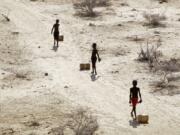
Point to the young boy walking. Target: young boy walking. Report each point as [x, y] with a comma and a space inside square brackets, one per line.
[94, 56]
[55, 31]
[133, 97]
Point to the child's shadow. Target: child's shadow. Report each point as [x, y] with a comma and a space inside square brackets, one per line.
[94, 77]
[55, 48]
[134, 123]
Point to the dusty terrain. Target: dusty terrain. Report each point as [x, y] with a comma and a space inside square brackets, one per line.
[34, 104]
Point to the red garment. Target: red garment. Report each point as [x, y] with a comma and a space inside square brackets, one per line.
[134, 101]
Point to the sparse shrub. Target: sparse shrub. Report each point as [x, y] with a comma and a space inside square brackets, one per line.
[154, 20]
[171, 65]
[86, 7]
[79, 122]
[150, 55]
[83, 123]
[164, 88]
[102, 3]
[168, 67]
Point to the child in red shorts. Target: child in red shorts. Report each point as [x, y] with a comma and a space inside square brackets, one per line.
[133, 97]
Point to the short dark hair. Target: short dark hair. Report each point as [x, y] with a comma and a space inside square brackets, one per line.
[134, 82]
[57, 20]
[94, 45]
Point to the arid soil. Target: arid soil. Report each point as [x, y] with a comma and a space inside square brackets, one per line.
[42, 89]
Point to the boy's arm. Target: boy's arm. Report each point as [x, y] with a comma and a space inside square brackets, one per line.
[140, 95]
[52, 29]
[98, 56]
[130, 96]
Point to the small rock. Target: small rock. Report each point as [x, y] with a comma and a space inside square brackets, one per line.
[39, 46]
[156, 32]
[134, 9]
[46, 74]
[15, 33]
[115, 72]
[163, 1]
[124, 4]
[91, 24]
[32, 124]
[119, 25]
[66, 87]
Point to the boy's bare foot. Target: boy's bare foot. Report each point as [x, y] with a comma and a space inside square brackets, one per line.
[135, 119]
[132, 114]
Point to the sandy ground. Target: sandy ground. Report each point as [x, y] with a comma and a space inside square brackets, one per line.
[28, 95]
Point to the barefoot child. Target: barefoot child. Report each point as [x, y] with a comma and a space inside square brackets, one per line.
[133, 97]
[94, 56]
[55, 29]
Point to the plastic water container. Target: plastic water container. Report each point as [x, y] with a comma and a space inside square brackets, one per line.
[144, 119]
[85, 66]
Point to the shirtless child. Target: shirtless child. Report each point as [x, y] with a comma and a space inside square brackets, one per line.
[133, 97]
[94, 57]
[55, 31]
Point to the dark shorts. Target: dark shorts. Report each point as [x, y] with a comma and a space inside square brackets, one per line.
[56, 35]
[93, 62]
[134, 101]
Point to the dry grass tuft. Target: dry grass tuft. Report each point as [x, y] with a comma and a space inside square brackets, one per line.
[83, 123]
[154, 20]
[86, 7]
[150, 55]
[80, 122]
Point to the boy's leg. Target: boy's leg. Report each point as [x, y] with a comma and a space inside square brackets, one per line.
[54, 42]
[134, 109]
[57, 43]
[95, 70]
[92, 67]
[132, 113]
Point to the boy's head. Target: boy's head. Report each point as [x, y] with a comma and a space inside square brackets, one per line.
[94, 45]
[134, 83]
[57, 20]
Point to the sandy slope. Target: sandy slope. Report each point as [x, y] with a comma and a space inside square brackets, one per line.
[46, 97]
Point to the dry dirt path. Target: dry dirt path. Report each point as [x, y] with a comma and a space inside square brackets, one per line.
[106, 97]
